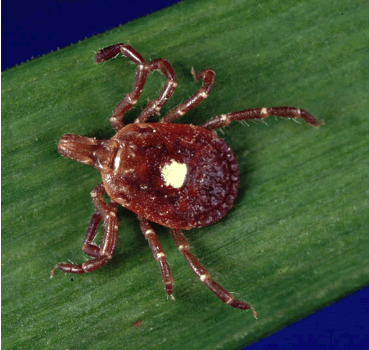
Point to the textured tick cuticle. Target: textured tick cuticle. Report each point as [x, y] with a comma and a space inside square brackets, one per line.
[177, 175]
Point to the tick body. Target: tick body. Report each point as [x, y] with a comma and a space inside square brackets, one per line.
[180, 176]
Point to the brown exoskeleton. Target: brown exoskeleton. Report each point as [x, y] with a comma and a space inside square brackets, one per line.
[180, 176]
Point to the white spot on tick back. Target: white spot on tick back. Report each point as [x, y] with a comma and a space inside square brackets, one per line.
[174, 174]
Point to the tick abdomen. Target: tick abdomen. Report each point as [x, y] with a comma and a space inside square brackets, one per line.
[180, 176]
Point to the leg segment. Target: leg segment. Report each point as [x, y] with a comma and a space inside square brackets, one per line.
[89, 247]
[159, 255]
[130, 99]
[260, 113]
[143, 70]
[166, 93]
[103, 253]
[208, 76]
[204, 275]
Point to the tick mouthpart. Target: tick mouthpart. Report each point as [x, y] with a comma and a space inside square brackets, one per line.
[79, 148]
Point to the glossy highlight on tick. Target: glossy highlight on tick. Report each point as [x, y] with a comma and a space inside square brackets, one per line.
[177, 175]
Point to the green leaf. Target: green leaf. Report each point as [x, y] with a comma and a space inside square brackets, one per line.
[297, 237]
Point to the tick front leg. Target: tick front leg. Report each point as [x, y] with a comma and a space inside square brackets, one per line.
[159, 255]
[143, 69]
[207, 76]
[141, 74]
[204, 275]
[260, 113]
[103, 253]
[166, 93]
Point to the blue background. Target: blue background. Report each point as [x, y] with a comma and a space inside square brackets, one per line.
[38, 27]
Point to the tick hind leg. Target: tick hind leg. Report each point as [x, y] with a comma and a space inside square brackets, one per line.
[143, 69]
[260, 113]
[159, 255]
[204, 275]
[103, 253]
[207, 76]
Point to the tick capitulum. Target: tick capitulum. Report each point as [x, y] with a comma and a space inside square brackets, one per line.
[180, 176]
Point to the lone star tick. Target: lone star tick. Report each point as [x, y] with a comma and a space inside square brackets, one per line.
[179, 176]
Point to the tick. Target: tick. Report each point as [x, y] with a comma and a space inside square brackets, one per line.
[179, 176]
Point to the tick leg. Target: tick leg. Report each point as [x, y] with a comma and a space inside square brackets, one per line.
[260, 113]
[143, 69]
[103, 253]
[208, 76]
[159, 255]
[89, 247]
[130, 99]
[204, 275]
[166, 93]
